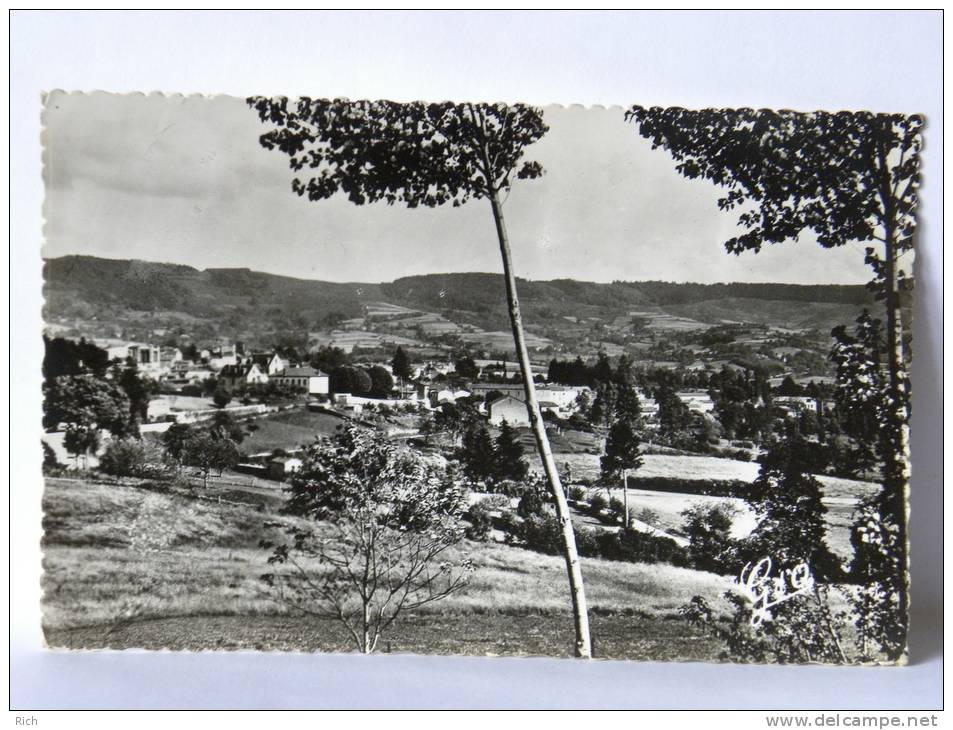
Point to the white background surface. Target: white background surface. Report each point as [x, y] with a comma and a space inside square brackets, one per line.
[883, 61]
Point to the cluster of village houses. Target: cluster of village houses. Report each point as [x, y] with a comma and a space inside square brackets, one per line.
[234, 369]
[229, 364]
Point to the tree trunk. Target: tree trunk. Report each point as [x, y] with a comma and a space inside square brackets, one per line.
[625, 499]
[576, 588]
[895, 438]
[897, 450]
[366, 647]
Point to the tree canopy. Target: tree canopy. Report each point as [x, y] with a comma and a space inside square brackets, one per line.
[411, 153]
[846, 176]
[622, 451]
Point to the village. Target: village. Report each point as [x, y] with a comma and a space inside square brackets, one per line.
[400, 390]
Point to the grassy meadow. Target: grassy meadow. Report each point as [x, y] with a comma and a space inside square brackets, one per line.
[840, 496]
[129, 567]
[289, 429]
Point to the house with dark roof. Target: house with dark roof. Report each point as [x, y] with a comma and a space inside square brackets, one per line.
[313, 382]
[244, 372]
[269, 363]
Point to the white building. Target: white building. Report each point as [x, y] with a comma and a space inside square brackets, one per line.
[146, 356]
[509, 409]
[561, 397]
[314, 382]
[697, 400]
[269, 363]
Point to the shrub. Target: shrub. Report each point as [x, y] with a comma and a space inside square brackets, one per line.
[708, 528]
[641, 547]
[129, 458]
[616, 507]
[507, 487]
[577, 493]
[530, 503]
[511, 526]
[587, 542]
[707, 487]
[480, 522]
[597, 503]
[648, 516]
[542, 533]
[494, 502]
[221, 398]
[49, 458]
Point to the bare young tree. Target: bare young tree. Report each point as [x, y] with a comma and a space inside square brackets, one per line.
[431, 155]
[385, 521]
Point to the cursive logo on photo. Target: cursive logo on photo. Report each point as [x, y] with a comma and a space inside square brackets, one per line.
[766, 591]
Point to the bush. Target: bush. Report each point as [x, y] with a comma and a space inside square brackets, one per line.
[616, 507]
[480, 522]
[708, 528]
[495, 502]
[511, 526]
[542, 533]
[597, 503]
[648, 516]
[49, 457]
[507, 487]
[128, 458]
[530, 503]
[587, 542]
[640, 547]
[577, 494]
[221, 398]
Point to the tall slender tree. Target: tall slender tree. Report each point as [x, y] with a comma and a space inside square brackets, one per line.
[427, 154]
[845, 177]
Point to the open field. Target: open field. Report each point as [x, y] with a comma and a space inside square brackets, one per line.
[348, 340]
[128, 567]
[840, 495]
[289, 430]
[499, 340]
[670, 505]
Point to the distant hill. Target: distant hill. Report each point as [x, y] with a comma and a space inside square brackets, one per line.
[241, 302]
[481, 294]
[228, 300]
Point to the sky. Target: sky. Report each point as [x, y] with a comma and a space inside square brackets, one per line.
[184, 180]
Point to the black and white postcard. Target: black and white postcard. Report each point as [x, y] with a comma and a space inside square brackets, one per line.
[332, 375]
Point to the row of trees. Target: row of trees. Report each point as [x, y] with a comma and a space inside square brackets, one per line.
[205, 450]
[578, 372]
[492, 461]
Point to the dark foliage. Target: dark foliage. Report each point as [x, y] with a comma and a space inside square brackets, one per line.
[508, 456]
[67, 357]
[401, 364]
[787, 502]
